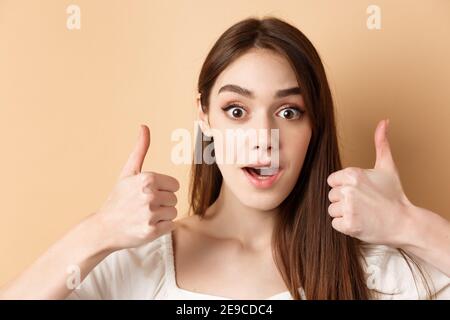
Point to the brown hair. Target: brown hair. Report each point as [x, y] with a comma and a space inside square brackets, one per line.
[308, 252]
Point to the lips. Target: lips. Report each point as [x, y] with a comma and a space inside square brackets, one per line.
[262, 177]
[261, 172]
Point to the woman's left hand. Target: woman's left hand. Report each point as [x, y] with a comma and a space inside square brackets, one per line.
[370, 204]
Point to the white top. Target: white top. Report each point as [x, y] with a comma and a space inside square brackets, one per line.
[148, 272]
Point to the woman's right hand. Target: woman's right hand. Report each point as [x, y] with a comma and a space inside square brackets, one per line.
[139, 209]
[141, 206]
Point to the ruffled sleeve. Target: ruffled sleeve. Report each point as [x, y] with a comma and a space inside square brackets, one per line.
[137, 273]
[389, 276]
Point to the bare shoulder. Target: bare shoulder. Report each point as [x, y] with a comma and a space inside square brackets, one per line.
[187, 221]
[187, 229]
[190, 244]
[198, 233]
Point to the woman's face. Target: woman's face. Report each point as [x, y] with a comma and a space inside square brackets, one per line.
[256, 110]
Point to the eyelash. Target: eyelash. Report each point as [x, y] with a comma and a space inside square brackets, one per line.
[235, 105]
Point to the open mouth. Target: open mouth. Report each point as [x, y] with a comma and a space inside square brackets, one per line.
[261, 173]
[262, 177]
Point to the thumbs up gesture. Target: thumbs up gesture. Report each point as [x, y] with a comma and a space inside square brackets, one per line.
[370, 204]
[141, 206]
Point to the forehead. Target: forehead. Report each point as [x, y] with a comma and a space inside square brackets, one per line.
[260, 70]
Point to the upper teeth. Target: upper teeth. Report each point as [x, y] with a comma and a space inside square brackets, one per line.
[267, 171]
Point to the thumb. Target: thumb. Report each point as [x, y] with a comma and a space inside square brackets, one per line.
[137, 156]
[384, 158]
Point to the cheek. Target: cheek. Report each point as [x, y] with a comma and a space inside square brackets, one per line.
[235, 180]
[298, 149]
[295, 147]
[295, 140]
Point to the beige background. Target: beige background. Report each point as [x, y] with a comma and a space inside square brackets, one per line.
[71, 101]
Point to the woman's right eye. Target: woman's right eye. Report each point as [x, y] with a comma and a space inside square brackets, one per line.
[235, 111]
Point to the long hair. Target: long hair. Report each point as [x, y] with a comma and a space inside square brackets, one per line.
[308, 252]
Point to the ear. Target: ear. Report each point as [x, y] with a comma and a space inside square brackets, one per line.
[203, 118]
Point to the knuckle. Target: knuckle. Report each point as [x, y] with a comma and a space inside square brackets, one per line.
[355, 175]
[148, 177]
[152, 207]
[153, 218]
[150, 215]
[354, 170]
[149, 197]
[348, 192]
[142, 176]
[349, 208]
[145, 197]
[151, 179]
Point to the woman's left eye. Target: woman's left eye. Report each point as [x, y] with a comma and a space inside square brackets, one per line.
[290, 113]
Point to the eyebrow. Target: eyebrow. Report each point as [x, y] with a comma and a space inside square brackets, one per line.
[249, 94]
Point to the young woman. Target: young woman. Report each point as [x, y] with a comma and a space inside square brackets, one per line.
[255, 233]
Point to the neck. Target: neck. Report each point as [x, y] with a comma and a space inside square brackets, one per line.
[229, 218]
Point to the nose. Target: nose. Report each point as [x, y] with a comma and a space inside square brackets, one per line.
[261, 140]
[264, 127]
[263, 145]
[266, 147]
